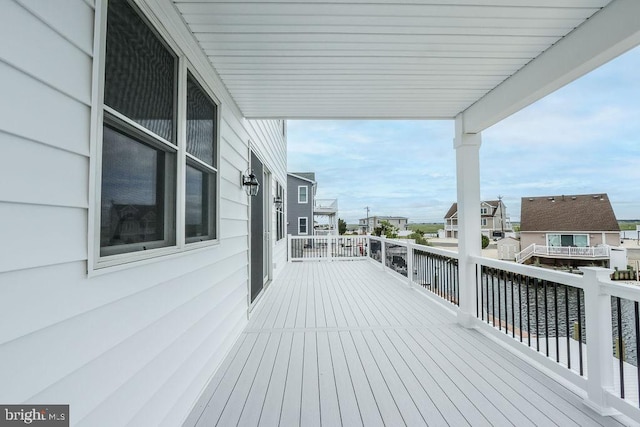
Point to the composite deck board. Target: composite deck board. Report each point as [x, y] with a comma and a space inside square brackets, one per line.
[344, 343]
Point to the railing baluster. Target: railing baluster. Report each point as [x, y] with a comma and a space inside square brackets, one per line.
[637, 325]
[546, 318]
[493, 299]
[579, 331]
[568, 326]
[555, 317]
[535, 284]
[528, 313]
[482, 287]
[513, 306]
[620, 347]
[520, 303]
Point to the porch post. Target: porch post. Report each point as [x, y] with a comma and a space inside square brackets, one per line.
[467, 146]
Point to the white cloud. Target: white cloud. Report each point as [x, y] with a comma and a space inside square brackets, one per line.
[583, 138]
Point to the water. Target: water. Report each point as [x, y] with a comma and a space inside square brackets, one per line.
[551, 314]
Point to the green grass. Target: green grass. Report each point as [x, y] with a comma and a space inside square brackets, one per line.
[434, 227]
[426, 228]
[628, 224]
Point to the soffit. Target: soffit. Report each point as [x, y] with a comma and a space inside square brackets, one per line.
[374, 59]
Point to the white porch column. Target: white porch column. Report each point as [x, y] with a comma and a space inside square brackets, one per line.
[467, 148]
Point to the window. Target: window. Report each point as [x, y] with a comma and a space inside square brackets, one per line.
[564, 240]
[138, 155]
[280, 225]
[201, 164]
[484, 211]
[302, 225]
[141, 147]
[303, 195]
[484, 222]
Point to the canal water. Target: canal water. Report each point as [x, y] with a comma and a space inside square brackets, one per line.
[553, 310]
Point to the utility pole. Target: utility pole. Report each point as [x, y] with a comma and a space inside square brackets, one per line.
[367, 208]
[501, 214]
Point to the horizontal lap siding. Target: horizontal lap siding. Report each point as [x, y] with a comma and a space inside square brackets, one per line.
[137, 345]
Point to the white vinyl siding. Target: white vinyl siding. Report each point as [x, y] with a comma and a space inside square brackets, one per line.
[303, 194]
[303, 226]
[138, 344]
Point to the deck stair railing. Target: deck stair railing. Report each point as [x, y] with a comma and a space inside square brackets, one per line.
[562, 251]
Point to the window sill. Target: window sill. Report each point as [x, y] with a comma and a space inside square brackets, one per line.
[114, 263]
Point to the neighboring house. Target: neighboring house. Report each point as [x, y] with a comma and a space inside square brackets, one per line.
[308, 216]
[494, 220]
[301, 192]
[367, 225]
[563, 228]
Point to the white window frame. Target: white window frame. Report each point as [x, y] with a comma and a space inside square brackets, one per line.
[483, 222]
[484, 211]
[306, 194]
[306, 225]
[548, 236]
[103, 264]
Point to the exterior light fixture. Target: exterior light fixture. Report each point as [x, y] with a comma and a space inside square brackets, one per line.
[250, 183]
[277, 201]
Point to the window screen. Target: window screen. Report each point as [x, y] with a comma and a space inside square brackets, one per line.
[201, 116]
[140, 72]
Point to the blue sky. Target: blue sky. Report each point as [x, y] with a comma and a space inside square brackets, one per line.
[584, 138]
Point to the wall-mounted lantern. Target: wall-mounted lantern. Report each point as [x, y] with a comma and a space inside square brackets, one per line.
[250, 183]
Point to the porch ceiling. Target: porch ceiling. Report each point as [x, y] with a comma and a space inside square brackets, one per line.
[405, 58]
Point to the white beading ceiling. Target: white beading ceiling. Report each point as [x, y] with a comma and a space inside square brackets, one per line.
[384, 59]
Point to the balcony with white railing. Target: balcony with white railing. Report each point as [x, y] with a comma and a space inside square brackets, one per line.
[325, 206]
[564, 252]
[361, 330]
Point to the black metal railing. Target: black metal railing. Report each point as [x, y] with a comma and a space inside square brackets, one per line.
[625, 323]
[437, 274]
[546, 315]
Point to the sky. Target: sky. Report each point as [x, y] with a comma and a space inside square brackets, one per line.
[582, 139]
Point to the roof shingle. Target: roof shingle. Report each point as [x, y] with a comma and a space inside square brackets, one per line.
[585, 212]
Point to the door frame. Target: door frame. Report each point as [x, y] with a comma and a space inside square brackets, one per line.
[263, 195]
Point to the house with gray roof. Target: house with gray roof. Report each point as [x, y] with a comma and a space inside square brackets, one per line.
[567, 228]
[494, 220]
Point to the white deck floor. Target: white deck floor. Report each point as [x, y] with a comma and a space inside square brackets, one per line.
[344, 343]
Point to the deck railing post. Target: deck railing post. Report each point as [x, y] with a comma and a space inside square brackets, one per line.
[330, 242]
[289, 248]
[597, 307]
[383, 251]
[410, 264]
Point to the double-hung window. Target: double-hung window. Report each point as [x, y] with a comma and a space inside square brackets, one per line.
[302, 225]
[144, 158]
[201, 167]
[303, 194]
